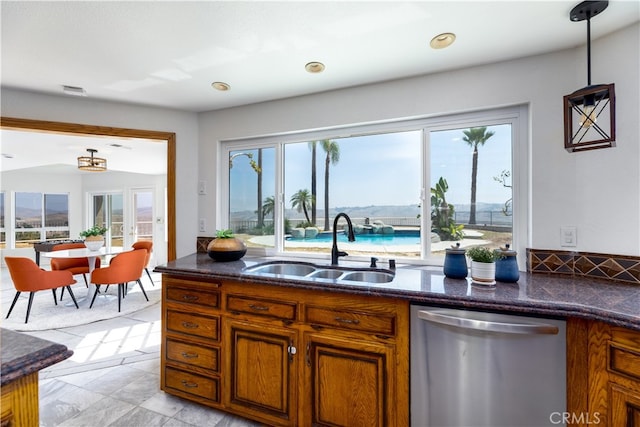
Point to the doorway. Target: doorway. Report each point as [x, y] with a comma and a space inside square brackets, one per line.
[91, 130]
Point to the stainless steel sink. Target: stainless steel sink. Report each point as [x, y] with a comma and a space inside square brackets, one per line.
[369, 276]
[289, 269]
[327, 273]
[314, 271]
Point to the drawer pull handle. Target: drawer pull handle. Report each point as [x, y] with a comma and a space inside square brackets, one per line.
[190, 355]
[347, 321]
[190, 325]
[259, 307]
[189, 384]
[190, 297]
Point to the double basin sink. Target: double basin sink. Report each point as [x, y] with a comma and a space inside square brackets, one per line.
[316, 271]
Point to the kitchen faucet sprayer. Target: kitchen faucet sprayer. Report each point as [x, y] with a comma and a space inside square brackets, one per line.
[335, 253]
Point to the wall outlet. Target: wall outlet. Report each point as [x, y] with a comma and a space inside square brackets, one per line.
[202, 225]
[202, 188]
[568, 237]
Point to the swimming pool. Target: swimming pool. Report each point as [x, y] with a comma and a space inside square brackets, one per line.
[400, 237]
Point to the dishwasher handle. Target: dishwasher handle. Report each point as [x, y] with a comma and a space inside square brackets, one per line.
[488, 325]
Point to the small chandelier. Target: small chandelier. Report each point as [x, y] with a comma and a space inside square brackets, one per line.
[92, 164]
[589, 113]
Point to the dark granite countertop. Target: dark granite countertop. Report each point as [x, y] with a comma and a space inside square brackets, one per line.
[537, 294]
[22, 354]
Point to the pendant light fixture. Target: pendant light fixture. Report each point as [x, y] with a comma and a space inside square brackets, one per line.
[589, 113]
[91, 163]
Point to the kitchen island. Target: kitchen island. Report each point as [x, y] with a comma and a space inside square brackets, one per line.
[260, 345]
[22, 357]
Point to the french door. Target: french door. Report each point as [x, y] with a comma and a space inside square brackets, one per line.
[129, 218]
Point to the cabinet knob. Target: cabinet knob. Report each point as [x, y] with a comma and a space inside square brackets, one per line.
[190, 325]
[292, 350]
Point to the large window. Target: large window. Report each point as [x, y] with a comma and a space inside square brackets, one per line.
[40, 217]
[412, 188]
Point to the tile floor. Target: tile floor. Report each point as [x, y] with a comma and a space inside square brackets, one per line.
[113, 377]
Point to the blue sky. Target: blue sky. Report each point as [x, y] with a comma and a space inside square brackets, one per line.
[381, 170]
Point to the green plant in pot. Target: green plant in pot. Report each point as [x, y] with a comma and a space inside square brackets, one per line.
[94, 237]
[483, 264]
[226, 247]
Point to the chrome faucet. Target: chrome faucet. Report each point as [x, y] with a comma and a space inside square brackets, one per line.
[335, 253]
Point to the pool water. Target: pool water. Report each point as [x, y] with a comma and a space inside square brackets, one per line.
[398, 238]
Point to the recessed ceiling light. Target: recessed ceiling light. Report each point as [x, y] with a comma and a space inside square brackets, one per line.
[442, 40]
[221, 86]
[314, 67]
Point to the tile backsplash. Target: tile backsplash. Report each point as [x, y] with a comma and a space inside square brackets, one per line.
[202, 243]
[620, 268]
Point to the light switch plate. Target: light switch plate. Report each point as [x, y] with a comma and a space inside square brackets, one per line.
[568, 237]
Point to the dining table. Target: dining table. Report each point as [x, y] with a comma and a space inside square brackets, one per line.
[91, 259]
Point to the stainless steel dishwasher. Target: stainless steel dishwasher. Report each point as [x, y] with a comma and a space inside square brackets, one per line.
[472, 369]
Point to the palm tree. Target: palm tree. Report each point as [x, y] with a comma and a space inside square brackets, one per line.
[333, 156]
[314, 191]
[268, 205]
[475, 137]
[301, 200]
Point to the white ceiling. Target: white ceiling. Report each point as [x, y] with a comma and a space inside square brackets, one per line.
[58, 153]
[167, 53]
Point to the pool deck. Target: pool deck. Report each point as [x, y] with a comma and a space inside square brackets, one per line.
[474, 239]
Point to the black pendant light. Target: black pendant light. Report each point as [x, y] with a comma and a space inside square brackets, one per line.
[589, 113]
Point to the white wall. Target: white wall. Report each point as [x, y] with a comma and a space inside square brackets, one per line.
[597, 191]
[30, 105]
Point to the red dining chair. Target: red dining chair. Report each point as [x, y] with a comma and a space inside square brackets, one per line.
[124, 268]
[74, 265]
[148, 246]
[28, 277]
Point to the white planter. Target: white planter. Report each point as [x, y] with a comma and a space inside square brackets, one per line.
[483, 273]
[93, 243]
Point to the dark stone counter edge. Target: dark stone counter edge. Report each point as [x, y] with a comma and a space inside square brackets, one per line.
[553, 309]
[33, 362]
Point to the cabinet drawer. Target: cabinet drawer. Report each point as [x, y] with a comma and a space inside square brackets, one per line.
[261, 307]
[193, 384]
[192, 354]
[193, 296]
[624, 361]
[192, 324]
[347, 319]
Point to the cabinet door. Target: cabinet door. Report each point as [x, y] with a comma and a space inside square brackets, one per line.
[349, 383]
[261, 371]
[625, 407]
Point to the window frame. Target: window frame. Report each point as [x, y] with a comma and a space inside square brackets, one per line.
[517, 116]
[43, 229]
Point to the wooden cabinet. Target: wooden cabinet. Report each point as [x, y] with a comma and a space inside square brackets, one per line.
[261, 371]
[287, 356]
[604, 374]
[346, 382]
[190, 362]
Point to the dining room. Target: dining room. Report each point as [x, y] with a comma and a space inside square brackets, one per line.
[47, 195]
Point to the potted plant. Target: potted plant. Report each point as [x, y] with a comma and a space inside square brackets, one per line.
[94, 237]
[226, 247]
[483, 264]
